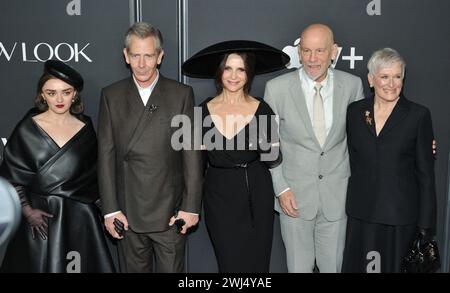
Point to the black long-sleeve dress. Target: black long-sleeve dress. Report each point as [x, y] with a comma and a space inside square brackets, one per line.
[238, 191]
[62, 182]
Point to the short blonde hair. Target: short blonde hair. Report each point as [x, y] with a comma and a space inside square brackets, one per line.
[384, 57]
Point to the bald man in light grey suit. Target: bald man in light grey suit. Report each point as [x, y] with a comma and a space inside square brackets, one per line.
[311, 183]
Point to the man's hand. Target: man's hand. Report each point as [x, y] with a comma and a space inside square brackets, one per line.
[109, 224]
[189, 219]
[288, 204]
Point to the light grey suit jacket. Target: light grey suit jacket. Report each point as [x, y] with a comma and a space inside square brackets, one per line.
[317, 176]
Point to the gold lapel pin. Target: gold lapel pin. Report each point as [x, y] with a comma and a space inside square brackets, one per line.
[368, 118]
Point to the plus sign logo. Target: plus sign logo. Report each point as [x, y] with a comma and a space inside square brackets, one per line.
[352, 58]
[74, 8]
[292, 51]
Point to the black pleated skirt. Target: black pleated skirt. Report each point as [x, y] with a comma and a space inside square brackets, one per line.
[373, 247]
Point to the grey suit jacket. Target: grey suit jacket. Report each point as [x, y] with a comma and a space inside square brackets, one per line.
[317, 176]
[139, 171]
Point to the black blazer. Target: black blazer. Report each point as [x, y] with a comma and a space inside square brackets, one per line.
[392, 175]
[139, 171]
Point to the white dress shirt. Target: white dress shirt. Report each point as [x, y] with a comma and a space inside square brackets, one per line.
[146, 92]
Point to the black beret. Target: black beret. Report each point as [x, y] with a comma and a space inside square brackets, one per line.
[64, 72]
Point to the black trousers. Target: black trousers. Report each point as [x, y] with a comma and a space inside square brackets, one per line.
[136, 252]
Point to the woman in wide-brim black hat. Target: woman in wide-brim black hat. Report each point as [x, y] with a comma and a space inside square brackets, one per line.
[51, 159]
[241, 144]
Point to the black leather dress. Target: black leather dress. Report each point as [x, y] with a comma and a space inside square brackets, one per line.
[62, 182]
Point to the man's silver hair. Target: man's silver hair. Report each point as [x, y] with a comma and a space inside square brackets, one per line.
[144, 30]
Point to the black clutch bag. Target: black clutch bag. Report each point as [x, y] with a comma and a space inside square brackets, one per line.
[422, 258]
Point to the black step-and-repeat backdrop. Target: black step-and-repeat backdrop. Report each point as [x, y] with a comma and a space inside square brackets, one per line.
[89, 35]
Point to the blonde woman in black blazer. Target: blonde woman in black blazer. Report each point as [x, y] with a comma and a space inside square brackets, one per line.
[391, 193]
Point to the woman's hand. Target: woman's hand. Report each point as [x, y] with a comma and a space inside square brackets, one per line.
[36, 220]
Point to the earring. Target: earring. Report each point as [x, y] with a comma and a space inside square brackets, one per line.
[73, 100]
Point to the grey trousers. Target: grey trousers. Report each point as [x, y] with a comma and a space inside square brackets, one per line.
[309, 242]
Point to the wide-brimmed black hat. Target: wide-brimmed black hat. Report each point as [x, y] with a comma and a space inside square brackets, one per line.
[204, 64]
[64, 72]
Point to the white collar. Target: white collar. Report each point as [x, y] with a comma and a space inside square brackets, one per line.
[310, 84]
[150, 87]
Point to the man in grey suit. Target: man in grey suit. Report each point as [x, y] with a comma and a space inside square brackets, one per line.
[144, 182]
[311, 183]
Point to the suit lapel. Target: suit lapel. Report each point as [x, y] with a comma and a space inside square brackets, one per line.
[338, 100]
[147, 114]
[133, 98]
[135, 107]
[398, 113]
[298, 97]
